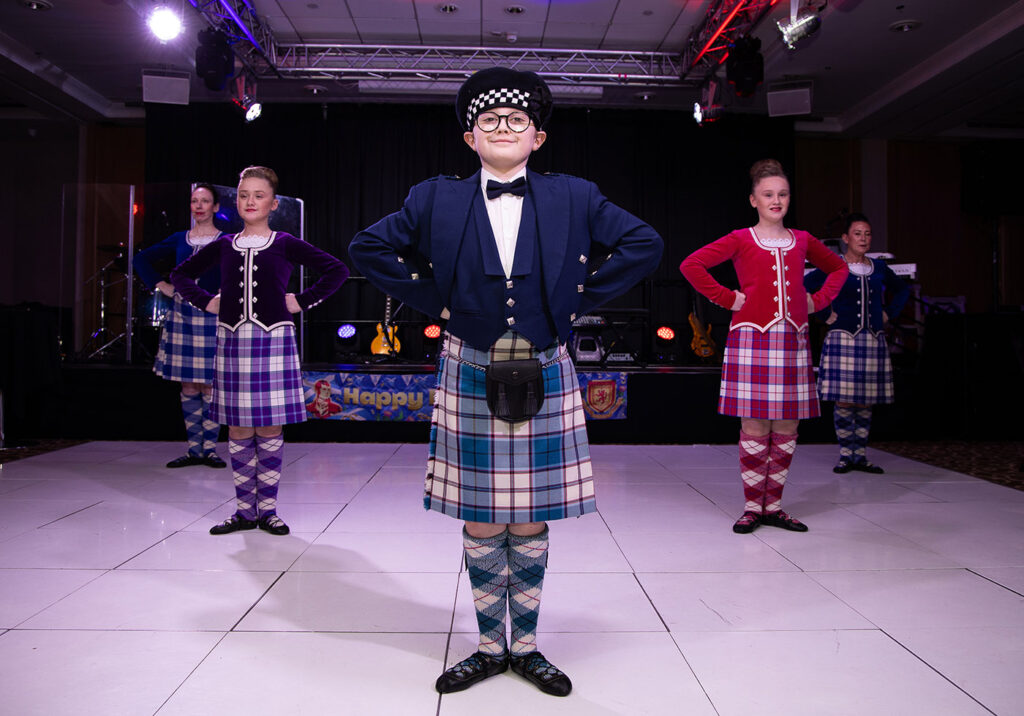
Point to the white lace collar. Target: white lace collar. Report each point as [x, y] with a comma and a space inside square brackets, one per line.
[253, 241]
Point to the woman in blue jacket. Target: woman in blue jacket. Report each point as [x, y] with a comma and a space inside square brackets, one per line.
[855, 370]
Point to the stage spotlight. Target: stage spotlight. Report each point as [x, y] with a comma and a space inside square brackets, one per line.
[744, 66]
[346, 330]
[346, 343]
[665, 344]
[804, 23]
[433, 331]
[250, 106]
[164, 23]
[214, 61]
[706, 113]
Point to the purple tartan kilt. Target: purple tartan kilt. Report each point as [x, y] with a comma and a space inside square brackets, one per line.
[482, 469]
[768, 375]
[258, 380]
[188, 343]
[856, 369]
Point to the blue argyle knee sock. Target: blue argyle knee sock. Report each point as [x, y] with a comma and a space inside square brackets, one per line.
[527, 561]
[192, 410]
[843, 419]
[269, 456]
[211, 428]
[487, 565]
[861, 431]
[243, 468]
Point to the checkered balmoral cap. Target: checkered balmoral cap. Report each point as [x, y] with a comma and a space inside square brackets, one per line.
[502, 87]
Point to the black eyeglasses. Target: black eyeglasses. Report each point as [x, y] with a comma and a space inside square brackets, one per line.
[490, 121]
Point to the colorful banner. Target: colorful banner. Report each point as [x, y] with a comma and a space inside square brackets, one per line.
[604, 394]
[410, 397]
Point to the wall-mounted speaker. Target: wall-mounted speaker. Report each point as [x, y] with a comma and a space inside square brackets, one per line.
[789, 99]
[165, 89]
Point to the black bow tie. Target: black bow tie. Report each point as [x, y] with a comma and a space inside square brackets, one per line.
[497, 188]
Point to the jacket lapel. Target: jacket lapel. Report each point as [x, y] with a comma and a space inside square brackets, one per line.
[550, 195]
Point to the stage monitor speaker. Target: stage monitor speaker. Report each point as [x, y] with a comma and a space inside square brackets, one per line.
[784, 100]
[164, 89]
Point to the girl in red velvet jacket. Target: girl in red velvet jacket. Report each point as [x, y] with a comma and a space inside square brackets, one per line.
[767, 375]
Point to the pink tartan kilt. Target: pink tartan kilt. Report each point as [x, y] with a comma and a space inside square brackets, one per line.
[768, 375]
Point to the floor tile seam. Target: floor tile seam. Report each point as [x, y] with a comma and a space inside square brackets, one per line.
[1019, 593]
[102, 573]
[191, 672]
[256, 601]
[114, 630]
[935, 669]
[650, 601]
[348, 502]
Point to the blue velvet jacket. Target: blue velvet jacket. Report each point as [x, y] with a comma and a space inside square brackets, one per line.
[416, 253]
[862, 299]
[170, 252]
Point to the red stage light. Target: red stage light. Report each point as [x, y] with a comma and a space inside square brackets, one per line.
[432, 331]
[665, 333]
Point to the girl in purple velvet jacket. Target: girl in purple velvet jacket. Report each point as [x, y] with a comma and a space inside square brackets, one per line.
[257, 384]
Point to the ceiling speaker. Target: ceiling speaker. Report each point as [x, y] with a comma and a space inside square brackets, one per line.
[789, 99]
[164, 89]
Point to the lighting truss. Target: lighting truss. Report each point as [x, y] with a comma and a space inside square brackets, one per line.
[254, 44]
[725, 20]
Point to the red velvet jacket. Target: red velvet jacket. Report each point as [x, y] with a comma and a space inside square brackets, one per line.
[772, 278]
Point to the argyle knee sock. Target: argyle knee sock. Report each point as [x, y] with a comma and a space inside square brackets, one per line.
[527, 562]
[243, 469]
[843, 419]
[192, 411]
[754, 451]
[269, 455]
[861, 431]
[487, 564]
[211, 428]
[783, 447]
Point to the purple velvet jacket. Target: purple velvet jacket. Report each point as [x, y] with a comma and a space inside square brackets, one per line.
[254, 280]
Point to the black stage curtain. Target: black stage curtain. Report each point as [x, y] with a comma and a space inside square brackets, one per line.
[354, 163]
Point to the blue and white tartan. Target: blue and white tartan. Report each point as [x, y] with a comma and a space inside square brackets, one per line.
[482, 469]
[856, 369]
[258, 379]
[768, 375]
[188, 343]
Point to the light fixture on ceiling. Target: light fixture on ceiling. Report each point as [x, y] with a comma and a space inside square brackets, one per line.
[214, 60]
[706, 110]
[245, 98]
[905, 26]
[744, 65]
[37, 5]
[448, 8]
[164, 23]
[802, 22]
[515, 10]
[315, 90]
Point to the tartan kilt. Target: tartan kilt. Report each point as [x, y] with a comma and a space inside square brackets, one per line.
[768, 375]
[188, 343]
[257, 380]
[856, 369]
[482, 469]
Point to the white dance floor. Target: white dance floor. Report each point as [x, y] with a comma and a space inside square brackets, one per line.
[904, 598]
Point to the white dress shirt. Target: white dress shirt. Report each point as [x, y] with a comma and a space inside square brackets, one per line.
[505, 213]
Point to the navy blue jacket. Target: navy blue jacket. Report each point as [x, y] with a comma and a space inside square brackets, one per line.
[170, 252]
[416, 253]
[861, 300]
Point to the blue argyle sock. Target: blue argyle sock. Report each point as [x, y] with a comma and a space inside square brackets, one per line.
[192, 410]
[861, 431]
[211, 428]
[527, 561]
[487, 565]
[269, 457]
[843, 418]
[243, 468]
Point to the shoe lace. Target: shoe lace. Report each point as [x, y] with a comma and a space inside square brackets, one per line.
[537, 665]
[747, 518]
[470, 665]
[273, 521]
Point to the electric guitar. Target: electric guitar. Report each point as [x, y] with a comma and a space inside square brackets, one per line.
[702, 344]
[386, 342]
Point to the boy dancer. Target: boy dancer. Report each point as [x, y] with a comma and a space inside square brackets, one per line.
[503, 255]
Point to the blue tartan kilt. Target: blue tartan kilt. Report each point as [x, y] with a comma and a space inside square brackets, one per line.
[856, 369]
[482, 469]
[768, 375]
[188, 343]
[258, 379]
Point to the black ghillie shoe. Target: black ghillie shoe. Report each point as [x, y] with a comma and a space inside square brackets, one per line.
[233, 524]
[542, 673]
[213, 460]
[781, 519]
[747, 523]
[843, 466]
[868, 467]
[471, 670]
[273, 524]
[185, 461]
